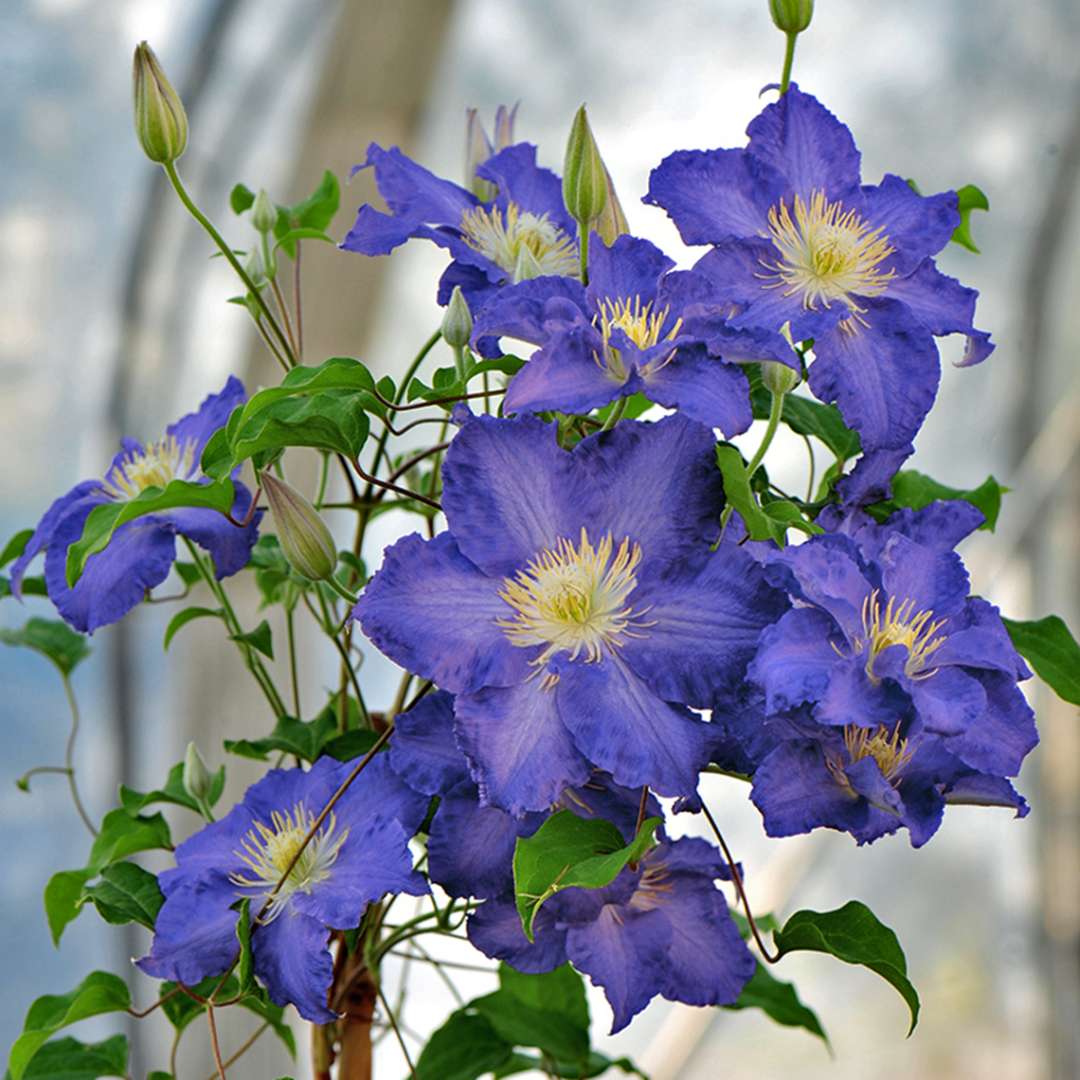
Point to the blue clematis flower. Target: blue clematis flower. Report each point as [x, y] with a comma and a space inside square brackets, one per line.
[141, 552]
[890, 690]
[660, 928]
[470, 845]
[522, 232]
[574, 606]
[800, 243]
[638, 327]
[360, 852]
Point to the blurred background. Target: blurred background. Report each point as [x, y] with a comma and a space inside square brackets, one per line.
[113, 320]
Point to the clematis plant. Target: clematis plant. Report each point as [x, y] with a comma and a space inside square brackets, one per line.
[596, 601]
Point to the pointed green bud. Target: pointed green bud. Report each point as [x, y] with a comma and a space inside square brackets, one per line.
[160, 121]
[263, 212]
[584, 182]
[457, 321]
[612, 222]
[527, 266]
[304, 537]
[196, 776]
[254, 267]
[779, 378]
[791, 16]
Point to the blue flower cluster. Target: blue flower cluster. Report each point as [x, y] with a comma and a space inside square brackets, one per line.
[595, 636]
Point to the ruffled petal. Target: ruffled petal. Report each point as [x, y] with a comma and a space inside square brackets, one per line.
[505, 486]
[229, 545]
[883, 374]
[712, 195]
[433, 612]
[292, 960]
[852, 698]
[948, 702]
[532, 310]
[623, 727]
[211, 415]
[916, 226]
[931, 580]
[423, 750]
[565, 377]
[1004, 734]
[520, 180]
[495, 929]
[627, 269]
[522, 757]
[978, 789]
[700, 629]
[703, 388]
[806, 144]
[979, 639]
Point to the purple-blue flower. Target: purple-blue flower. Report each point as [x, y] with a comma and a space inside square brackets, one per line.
[140, 553]
[798, 241]
[639, 327]
[360, 852]
[524, 231]
[660, 928]
[889, 690]
[471, 846]
[574, 607]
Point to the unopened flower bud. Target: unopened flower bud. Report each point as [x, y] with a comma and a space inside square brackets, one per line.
[584, 176]
[263, 212]
[305, 540]
[254, 267]
[778, 378]
[196, 776]
[478, 149]
[504, 127]
[791, 16]
[612, 222]
[160, 121]
[527, 266]
[457, 323]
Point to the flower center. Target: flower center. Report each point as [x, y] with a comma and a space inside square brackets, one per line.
[640, 323]
[268, 851]
[573, 599]
[152, 465]
[887, 749]
[826, 253]
[899, 624]
[653, 887]
[515, 238]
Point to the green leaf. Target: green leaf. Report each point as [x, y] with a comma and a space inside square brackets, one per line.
[352, 744]
[913, 490]
[779, 1001]
[104, 520]
[98, 993]
[561, 991]
[260, 639]
[245, 967]
[566, 851]
[69, 1059]
[133, 802]
[122, 835]
[288, 241]
[126, 893]
[855, 935]
[272, 570]
[182, 618]
[55, 640]
[187, 572]
[969, 198]
[305, 740]
[63, 896]
[1052, 651]
[464, 1048]
[785, 515]
[596, 1064]
[15, 546]
[313, 213]
[740, 496]
[241, 198]
[805, 417]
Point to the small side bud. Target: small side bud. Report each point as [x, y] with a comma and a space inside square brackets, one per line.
[196, 776]
[778, 378]
[457, 323]
[160, 121]
[527, 266]
[612, 222]
[305, 539]
[791, 16]
[584, 176]
[263, 212]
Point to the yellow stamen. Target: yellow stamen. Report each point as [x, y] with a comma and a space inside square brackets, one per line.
[501, 235]
[152, 465]
[900, 624]
[268, 851]
[826, 253]
[641, 324]
[573, 599]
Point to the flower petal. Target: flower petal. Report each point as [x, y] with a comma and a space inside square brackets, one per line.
[916, 226]
[630, 268]
[564, 376]
[703, 388]
[531, 310]
[229, 545]
[292, 960]
[423, 751]
[211, 415]
[520, 180]
[495, 929]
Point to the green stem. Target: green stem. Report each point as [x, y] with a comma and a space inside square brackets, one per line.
[251, 658]
[324, 476]
[327, 623]
[69, 756]
[789, 59]
[290, 628]
[583, 252]
[776, 409]
[227, 252]
[615, 415]
[340, 589]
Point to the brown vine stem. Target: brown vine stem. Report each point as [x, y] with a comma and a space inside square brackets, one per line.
[388, 486]
[216, 1046]
[397, 1031]
[244, 1047]
[736, 877]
